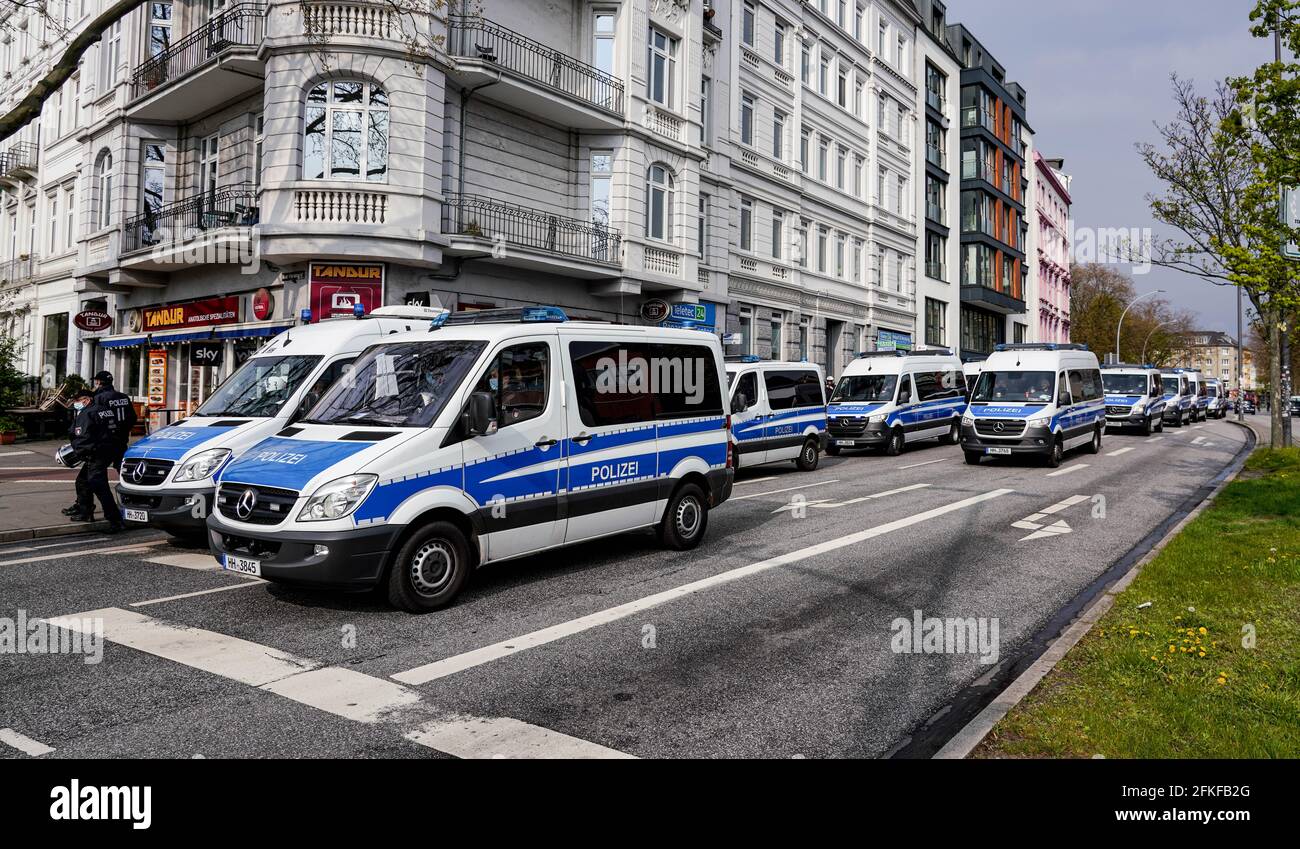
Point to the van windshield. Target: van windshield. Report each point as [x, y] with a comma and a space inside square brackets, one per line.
[1125, 384]
[1172, 385]
[1212, 391]
[401, 385]
[868, 387]
[1018, 387]
[260, 387]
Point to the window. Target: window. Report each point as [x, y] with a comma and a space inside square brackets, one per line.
[842, 89]
[841, 167]
[881, 179]
[804, 138]
[747, 387]
[70, 215]
[602, 404]
[823, 153]
[805, 64]
[104, 189]
[519, 382]
[52, 200]
[839, 255]
[936, 330]
[823, 237]
[801, 243]
[823, 76]
[778, 230]
[602, 46]
[602, 172]
[778, 136]
[400, 385]
[160, 27]
[858, 94]
[778, 44]
[703, 235]
[858, 16]
[746, 224]
[900, 204]
[747, 119]
[659, 203]
[884, 39]
[209, 164]
[259, 145]
[662, 65]
[54, 347]
[706, 122]
[747, 24]
[787, 390]
[153, 176]
[859, 165]
[855, 261]
[775, 351]
[110, 54]
[346, 132]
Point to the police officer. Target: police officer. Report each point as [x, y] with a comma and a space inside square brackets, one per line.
[123, 410]
[94, 438]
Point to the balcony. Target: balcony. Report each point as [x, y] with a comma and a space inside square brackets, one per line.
[218, 61]
[936, 157]
[213, 227]
[936, 101]
[533, 78]
[973, 116]
[18, 271]
[532, 238]
[18, 161]
[936, 213]
[936, 271]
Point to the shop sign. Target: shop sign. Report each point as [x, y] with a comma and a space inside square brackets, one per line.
[202, 313]
[338, 287]
[263, 304]
[133, 321]
[892, 340]
[157, 382]
[691, 316]
[93, 321]
[654, 310]
[206, 353]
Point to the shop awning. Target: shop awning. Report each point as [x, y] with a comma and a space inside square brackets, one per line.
[172, 337]
[254, 330]
[119, 341]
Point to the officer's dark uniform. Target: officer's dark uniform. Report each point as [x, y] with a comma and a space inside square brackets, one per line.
[119, 403]
[94, 438]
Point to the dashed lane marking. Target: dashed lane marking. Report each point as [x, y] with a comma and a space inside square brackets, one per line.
[825, 505]
[1067, 470]
[926, 463]
[779, 491]
[1121, 452]
[23, 743]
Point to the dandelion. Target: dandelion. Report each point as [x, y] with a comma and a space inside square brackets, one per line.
[1222, 681]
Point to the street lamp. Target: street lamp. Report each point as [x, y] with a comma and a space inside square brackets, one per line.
[1148, 339]
[1120, 326]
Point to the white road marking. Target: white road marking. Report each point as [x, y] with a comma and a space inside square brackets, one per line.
[919, 465]
[188, 560]
[115, 549]
[250, 582]
[1155, 439]
[342, 692]
[1198, 440]
[1035, 522]
[1067, 470]
[468, 660]
[825, 505]
[779, 491]
[23, 743]
[754, 480]
[14, 453]
[1121, 452]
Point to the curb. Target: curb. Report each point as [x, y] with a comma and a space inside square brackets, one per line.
[46, 531]
[973, 733]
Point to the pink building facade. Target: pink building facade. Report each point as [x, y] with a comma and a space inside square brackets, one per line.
[1052, 214]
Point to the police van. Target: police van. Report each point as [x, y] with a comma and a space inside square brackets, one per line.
[971, 372]
[1218, 406]
[1135, 397]
[889, 399]
[491, 435]
[1038, 399]
[168, 478]
[1178, 397]
[778, 412]
[1200, 403]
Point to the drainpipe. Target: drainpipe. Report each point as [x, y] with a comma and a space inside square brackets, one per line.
[465, 95]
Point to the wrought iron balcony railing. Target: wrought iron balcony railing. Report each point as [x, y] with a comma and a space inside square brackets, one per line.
[18, 270]
[486, 218]
[182, 220]
[473, 37]
[19, 157]
[241, 25]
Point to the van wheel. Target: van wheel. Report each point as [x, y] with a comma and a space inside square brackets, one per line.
[1148, 427]
[1057, 455]
[972, 458]
[832, 450]
[808, 457]
[954, 433]
[686, 518]
[430, 568]
[1094, 447]
[896, 443]
[1160, 423]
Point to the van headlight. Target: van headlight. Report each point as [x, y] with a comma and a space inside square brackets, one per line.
[968, 420]
[337, 498]
[876, 419]
[1041, 420]
[202, 465]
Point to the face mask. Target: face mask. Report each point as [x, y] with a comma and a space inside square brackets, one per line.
[79, 406]
[492, 381]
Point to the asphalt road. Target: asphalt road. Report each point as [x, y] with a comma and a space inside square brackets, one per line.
[773, 639]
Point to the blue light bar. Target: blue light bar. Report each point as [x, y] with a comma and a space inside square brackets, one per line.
[543, 314]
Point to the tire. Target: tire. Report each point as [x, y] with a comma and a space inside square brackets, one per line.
[1149, 426]
[1160, 423]
[972, 458]
[1057, 455]
[685, 519]
[430, 568]
[954, 434]
[1178, 421]
[1094, 447]
[896, 443]
[832, 450]
[809, 456]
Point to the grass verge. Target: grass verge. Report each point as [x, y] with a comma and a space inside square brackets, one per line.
[1211, 668]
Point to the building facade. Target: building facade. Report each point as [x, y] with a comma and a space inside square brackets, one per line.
[1050, 261]
[778, 172]
[1214, 354]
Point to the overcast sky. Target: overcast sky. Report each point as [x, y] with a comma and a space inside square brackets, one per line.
[1097, 76]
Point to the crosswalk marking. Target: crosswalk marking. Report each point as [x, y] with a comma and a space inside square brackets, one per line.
[23, 743]
[202, 562]
[249, 582]
[115, 549]
[342, 692]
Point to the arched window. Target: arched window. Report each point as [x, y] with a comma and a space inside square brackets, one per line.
[104, 190]
[346, 132]
[659, 203]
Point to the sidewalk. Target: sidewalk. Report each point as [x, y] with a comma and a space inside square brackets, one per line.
[34, 488]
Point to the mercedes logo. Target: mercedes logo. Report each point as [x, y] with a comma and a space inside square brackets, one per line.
[137, 474]
[246, 503]
[999, 427]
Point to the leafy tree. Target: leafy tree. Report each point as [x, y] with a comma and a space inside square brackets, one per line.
[1098, 296]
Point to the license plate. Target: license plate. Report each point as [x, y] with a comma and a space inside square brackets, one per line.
[1001, 452]
[242, 565]
[845, 443]
[135, 515]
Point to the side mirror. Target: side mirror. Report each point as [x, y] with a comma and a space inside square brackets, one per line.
[905, 396]
[739, 403]
[308, 401]
[480, 415]
[1063, 400]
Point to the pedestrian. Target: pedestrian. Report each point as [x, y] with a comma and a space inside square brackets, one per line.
[95, 441]
[119, 403]
[83, 499]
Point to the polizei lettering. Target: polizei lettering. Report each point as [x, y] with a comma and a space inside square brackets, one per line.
[615, 471]
[280, 457]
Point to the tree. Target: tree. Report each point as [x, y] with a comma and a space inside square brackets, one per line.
[1098, 296]
[1215, 199]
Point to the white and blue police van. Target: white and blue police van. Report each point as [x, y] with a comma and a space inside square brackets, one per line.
[1200, 398]
[1179, 399]
[491, 435]
[1219, 405]
[168, 478]
[1135, 397]
[778, 412]
[1039, 399]
[890, 399]
[971, 372]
